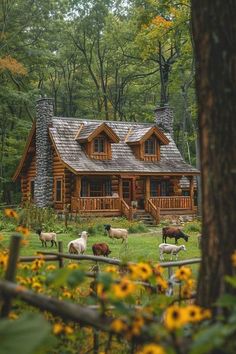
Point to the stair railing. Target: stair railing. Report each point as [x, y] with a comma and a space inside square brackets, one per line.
[153, 210]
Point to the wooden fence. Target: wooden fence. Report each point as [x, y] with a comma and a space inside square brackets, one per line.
[67, 311]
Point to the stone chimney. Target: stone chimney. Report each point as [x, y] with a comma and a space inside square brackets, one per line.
[43, 187]
[164, 119]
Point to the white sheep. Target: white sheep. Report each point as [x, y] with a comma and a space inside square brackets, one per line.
[79, 245]
[170, 249]
[117, 233]
[47, 237]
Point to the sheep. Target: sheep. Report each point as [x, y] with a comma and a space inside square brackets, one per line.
[46, 237]
[101, 249]
[117, 233]
[173, 232]
[170, 249]
[79, 245]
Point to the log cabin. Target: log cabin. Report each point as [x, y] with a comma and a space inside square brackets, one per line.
[105, 168]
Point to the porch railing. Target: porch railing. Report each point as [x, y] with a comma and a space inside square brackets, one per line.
[153, 210]
[174, 202]
[126, 210]
[92, 204]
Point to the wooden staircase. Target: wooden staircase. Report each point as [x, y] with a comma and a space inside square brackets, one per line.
[144, 216]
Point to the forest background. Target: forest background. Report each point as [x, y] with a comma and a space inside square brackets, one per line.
[112, 60]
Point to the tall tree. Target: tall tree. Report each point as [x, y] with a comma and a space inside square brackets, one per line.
[214, 31]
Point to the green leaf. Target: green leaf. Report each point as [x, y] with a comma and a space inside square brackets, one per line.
[226, 300]
[231, 280]
[75, 278]
[25, 335]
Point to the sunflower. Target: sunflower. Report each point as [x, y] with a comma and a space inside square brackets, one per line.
[205, 313]
[183, 273]
[137, 325]
[58, 328]
[51, 267]
[111, 269]
[233, 258]
[38, 263]
[72, 266]
[23, 230]
[68, 330]
[3, 260]
[194, 313]
[162, 283]
[124, 288]
[152, 349]
[11, 213]
[134, 271]
[145, 271]
[118, 325]
[175, 317]
[13, 316]
[158, 270]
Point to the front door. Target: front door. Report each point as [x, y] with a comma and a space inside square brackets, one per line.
[127, 190]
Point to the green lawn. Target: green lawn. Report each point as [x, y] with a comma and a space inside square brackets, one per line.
[140, 247]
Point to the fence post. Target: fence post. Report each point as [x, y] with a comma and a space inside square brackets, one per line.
[60, 250]
[11, 271]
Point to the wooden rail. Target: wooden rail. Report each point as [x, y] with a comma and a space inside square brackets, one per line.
[174, 202]
[126, 210]
[154, 210]
[92, 204]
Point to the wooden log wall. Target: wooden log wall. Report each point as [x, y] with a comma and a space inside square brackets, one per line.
[115, 184]
[27, 177]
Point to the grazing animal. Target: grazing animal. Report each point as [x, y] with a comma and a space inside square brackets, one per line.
[79, 245]
[101, 249]
[173, 232]
[117, 233]
[170, 249]
[47, 237]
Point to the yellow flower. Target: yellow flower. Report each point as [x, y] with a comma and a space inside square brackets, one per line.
[24, 242]
[11, 213]
[111, 269]
[145, 270]
[206, 313]
[72, 266]
[24, 266]
[58, 328]
[175, 317]
[118, 326]
[3, 260]
[158, 270]
[68, 330]
[37, 286]
[13, 316]
[152, 349]
[162, 283]
[124, 288]
[233, 258]
[194, 313]
[137, 326]
[38, 263]
[67, 293]
[23, 230]
[1, 238]
[51, 267]
[183, 273]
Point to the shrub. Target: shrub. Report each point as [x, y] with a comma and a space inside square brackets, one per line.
[192, 227]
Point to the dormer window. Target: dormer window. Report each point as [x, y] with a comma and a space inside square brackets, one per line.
[96, 139]
[99, 145]
[150, 146]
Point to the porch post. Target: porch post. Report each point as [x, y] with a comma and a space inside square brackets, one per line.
[78, 186]
[191, 192]
[148, 188]
[120, 192]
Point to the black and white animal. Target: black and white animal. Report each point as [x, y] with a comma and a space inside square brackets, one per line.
[47, 237]
[173, 232]
[117, 233]
[170, 249]
[79, 245]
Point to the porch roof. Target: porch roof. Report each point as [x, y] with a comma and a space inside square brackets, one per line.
[123, 160]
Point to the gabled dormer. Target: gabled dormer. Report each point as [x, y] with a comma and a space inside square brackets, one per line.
[145, 142]
[96, 139]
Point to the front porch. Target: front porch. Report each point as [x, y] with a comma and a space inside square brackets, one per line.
[124, 195]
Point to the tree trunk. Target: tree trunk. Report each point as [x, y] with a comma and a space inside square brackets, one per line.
[214, 33]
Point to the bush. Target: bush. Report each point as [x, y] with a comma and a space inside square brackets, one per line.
[192, 227]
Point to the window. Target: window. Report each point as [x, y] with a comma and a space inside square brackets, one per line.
[96, 189]
[154, 188]
[58, 190]
[99, 145]
[32, 189]
[165, 188]
[150, 146]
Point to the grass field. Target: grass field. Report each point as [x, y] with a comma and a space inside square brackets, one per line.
[140, 247]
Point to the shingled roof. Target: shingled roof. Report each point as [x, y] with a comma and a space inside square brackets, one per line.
[63, 132]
